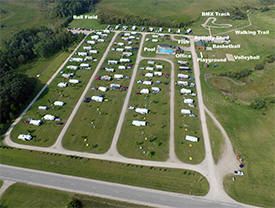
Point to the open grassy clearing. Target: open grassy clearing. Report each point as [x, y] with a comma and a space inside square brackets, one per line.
[190, 152]
[216, 139]
[25, 196]
[46, 134]
[149, 142]
[251, 133]
[22, 14]
[172, 10]
[175, 180]
[96, 137]
[87, 23]
[1, 183]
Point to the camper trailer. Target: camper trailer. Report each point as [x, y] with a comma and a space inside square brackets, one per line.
[58, 103]
[183, 76]
[25, 137]
[112, 62]
[155, 89]
[157, 73]
[72, 67]
[35, 122]
[74, 81]
[43, 107]
[103, 89]
[150, 75]
[144, 91]
[182, 83]
[122, 60]
[185, 91]
[62, 84]
[191, 138]
[188, 101]
[97, 98]
[149, 68]
[118, 76]
[109, 69]
[185, 111]
[139, 123]
[82, 53]
[147, 83]
[142, 110]
[49, 117]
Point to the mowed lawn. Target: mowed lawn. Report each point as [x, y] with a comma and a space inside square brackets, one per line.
[174, 180]
[46, 134]
[22, 14]
[25, 196]
[94, 125]
[150, 142]
[187, 151]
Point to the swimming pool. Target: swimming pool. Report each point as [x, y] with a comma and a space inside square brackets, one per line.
[162, 50]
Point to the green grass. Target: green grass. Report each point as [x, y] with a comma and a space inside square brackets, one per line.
[251, 131]
[1, 183]
[46, 134]
[22, 14]
[157, 131]
[172, 10]
[87, 23]
[216, 139]
[104, 115]
[174, 180]
[184, 125]
[25, 196]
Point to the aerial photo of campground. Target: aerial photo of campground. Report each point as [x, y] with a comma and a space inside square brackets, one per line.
[137, 103]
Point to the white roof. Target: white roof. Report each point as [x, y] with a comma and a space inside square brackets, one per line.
[103, 89]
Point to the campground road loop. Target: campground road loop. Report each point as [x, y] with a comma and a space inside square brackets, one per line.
[7, 139]
[58, 143]
[113, 148]
[6, 184]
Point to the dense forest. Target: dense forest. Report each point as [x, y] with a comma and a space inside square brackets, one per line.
[68, 8]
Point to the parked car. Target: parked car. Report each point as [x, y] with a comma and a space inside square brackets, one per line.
[238, 172]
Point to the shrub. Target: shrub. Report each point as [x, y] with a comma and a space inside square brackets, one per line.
[259, 67]
[258, 103]
[75, 203]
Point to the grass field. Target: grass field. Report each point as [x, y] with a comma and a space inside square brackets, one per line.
[46, 134]
[185, 125]
[22, 14]
[25, 196]
[174, 180]
[104, 115]
[168, 10]
[1, 183]
[154, 138]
